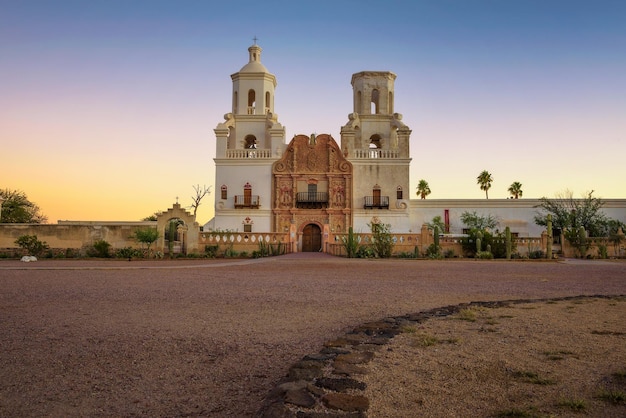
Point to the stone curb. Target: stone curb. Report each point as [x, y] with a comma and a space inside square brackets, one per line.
[326, 384]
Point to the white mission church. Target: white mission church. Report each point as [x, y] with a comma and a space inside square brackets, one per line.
[313, 186]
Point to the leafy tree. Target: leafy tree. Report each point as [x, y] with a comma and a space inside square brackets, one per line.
[31, 244]
[152, 217]
[515, 189]
[201, 192]
[147, 236]
[16, 208]
[570, 213]
[474, 221]
[484, 180]
[423, 189]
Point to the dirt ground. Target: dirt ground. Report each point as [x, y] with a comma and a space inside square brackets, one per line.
[211, 338]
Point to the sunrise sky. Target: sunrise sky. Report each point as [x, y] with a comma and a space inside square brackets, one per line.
[107, 108]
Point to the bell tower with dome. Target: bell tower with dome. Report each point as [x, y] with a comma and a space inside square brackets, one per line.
[376, 142]
[248, 142]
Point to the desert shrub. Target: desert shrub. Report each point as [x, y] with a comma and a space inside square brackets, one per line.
[32, 245]
[126, 252]
[365, 251]
[230, 253]
[277, 249]
[406, 254]
[484, 255]
[350, 243]
[101, 249]
[210, 251]
[72, 253]
[382, 241]
[603, 251]
[434, 251]
[497, 242]
[536, 254]
[449, 253]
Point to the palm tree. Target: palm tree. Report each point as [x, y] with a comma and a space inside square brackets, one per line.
[516, 189]
[423, 189]
[484, 180]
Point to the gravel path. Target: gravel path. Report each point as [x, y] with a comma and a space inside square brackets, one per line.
[210, 338]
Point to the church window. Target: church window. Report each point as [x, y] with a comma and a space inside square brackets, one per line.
[251, 101]
[250, 142]
[247, 224]
[358, 102]
[224, 192]
[235, 103]
[267, 102]
[375, 102]
[375, 146]
[390, 102]
[399, 193]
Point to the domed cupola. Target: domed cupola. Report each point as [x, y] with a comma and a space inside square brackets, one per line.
[253, 86]
[254, 65]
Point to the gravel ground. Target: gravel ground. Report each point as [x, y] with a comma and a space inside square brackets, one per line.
[211, 338]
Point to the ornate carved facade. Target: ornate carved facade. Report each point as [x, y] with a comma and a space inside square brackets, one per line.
[312, 184]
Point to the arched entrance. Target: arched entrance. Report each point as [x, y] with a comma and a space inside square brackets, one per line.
[311, 238]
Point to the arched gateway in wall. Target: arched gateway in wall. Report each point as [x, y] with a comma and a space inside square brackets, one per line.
[185, 233]
[312, 191]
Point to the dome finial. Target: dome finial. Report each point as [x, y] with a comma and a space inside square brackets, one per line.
[255, 39]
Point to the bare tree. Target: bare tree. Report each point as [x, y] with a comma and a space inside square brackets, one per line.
[201, 192]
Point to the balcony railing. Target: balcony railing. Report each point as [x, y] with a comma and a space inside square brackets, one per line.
[362, 154]
[376, 202]
[249, 153]
[251, 202]
[311, 200]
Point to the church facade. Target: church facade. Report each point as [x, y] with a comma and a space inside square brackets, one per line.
[310, 186]
[315, 188]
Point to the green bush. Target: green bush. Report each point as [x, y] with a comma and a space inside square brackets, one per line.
[434, 251]
[365, 251]
[484, 255]
[31, 244]
[100, 249]
[382, 241]
[350, 244]
[497, 242]
[126, 252]
[603, 251]
[449, 253]
[406, 254]
[210, 251]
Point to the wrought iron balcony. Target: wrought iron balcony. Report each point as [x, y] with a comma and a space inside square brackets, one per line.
[251, 202]
[311, 200]
[376, 202]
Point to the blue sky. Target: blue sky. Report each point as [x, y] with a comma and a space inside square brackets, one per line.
[108, 107]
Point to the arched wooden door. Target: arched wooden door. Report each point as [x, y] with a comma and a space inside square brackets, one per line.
[311, 238]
